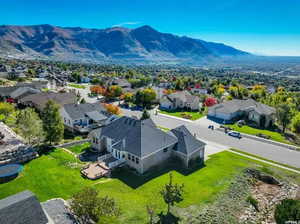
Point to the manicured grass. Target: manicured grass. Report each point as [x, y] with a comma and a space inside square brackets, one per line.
[194, 114]
[80, 148]
[53, 176]
[78, 86]
[275, 136]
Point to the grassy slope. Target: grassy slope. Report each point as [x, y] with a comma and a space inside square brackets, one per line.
[195, 115]
[275, 136]
[79, 148]
[50, 176]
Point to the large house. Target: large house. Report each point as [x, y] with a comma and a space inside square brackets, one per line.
[263, 115]
[180, 100]
[24, 208]
[141, 145]
[84, 117]
[40, 100]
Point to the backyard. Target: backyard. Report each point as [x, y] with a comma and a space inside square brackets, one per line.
[77, 149]
[57, 175]
[191, 115]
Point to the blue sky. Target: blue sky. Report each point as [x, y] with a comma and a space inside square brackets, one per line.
[269, 27]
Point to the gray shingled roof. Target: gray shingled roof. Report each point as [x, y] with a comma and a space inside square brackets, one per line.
[187, 143]
[141, 137]
[57, 211]
[233, 106]
[185, 96]
[93, 110]
[40, 99]
[22, 208]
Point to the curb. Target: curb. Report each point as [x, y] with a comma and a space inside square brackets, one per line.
[290, 147]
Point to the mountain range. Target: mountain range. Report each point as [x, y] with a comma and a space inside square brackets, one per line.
[116, 44]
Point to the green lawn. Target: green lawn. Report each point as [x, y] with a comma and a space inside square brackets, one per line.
[78, 86]
[80, 148]
[275, 136]
[52, 176]
[194, 114]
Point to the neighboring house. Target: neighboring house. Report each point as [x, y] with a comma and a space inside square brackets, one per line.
[261, 114]
[24, 208]
[85, 117]
[122, 83]
[180, 100]
[40, 100]
[197, 89]
[160, 92]
[142, 146]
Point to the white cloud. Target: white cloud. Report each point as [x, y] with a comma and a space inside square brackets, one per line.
[126, 23]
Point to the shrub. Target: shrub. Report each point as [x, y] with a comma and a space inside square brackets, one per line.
[287, 210]
[253, 202]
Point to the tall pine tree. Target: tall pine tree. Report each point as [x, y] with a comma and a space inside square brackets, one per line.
[53, 124]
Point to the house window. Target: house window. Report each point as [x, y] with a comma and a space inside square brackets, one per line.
[123, 156]
[97, 141]
[65, 120]
[165, 149]
[137, 160]
[129, 156]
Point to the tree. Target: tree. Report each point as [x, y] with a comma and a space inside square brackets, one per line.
[296, 123]
[89, 207]
[128, 97]
[145, 115]
[145, 97]
[172, 193]
[82, 101]
[30, 126]
[210, 101]
[284, 114]
[6, 109]
[53, 124]
[287, 210]
[112, 108]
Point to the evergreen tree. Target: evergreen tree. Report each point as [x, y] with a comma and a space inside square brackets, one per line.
[53, 124]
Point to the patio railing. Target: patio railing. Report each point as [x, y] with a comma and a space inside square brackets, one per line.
[116, 163]
[104, 157]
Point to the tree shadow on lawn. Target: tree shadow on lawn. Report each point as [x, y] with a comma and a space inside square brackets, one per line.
[134, 180]
[167, 219]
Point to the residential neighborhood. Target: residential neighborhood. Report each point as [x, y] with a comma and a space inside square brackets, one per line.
[149, 112]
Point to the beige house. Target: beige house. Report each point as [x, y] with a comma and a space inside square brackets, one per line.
[142, 146]
[180, 100]
[263, 115]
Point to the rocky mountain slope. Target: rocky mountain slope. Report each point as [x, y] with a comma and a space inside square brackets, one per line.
[117, 44]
